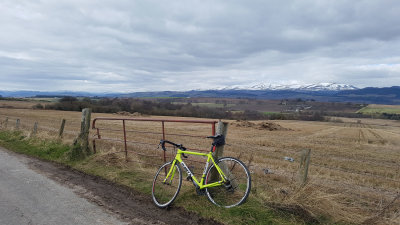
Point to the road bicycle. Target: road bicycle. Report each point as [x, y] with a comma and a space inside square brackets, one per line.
[226, 182]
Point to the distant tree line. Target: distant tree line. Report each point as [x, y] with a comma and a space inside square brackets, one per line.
[165, 107]
[11, 98]
[113, 105]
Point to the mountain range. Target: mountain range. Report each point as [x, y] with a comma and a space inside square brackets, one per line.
[327, 92]
[294, 87]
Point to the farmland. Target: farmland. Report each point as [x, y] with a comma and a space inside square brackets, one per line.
[283, 105]
[378, 109]
[23, 104]
[355, 163]
[262, 105]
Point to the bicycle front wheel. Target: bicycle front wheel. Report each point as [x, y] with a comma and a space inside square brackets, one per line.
[237, 187]
[165, 189]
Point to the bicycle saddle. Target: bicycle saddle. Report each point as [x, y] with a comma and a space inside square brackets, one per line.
[215, 136]
[219, 140]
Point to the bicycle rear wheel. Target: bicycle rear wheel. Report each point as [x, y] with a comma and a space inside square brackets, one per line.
[164, 193]
[237, 188]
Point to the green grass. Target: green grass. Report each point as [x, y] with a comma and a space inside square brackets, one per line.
[206, 104]
[49, 150]
[252, 212]
[45, 100]
[160, 97]
[271, 113]
[375, 109]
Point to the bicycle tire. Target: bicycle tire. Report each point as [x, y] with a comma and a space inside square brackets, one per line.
[165, 193]
[236, 190]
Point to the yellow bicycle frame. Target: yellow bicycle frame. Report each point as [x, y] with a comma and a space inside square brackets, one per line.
[200, 184]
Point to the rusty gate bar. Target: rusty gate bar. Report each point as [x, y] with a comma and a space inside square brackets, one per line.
[164, 153]
[163, 137]
[155, 120]
[94, 141]
[163, 121]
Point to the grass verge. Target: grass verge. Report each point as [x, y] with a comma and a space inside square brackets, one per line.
[139, 178]
[49, 150]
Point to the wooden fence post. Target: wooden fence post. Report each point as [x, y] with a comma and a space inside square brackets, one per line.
[61, 131]
[80, 148]
[85, 128]
[6, 123]
[304, 164]
[17, 124]
[222, 128]
[34, 130]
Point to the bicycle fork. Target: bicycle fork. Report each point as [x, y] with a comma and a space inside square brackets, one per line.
[170, 174]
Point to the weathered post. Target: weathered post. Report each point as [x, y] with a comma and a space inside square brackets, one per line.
[17, 124]
[6, 123]
[304, 164]
[80, 148]
[222, 128]
[61, 131]
[34, 130]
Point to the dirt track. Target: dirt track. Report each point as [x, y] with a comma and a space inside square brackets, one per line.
[129, 205]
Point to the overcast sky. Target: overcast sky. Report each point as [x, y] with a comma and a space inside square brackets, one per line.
[126, 46]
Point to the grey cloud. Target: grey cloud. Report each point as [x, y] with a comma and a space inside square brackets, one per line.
[133, 45]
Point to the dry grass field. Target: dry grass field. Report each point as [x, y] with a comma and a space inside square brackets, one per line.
[18, 104]
[354, 175]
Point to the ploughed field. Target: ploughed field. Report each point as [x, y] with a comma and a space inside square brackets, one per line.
[354, 175]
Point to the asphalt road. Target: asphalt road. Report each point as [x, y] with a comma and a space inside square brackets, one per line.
[27, 197]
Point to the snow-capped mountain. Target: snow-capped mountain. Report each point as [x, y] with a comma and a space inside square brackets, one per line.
[328, 87]
[295, 87]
